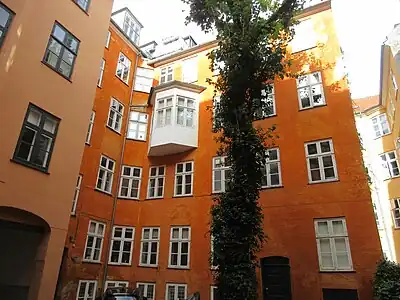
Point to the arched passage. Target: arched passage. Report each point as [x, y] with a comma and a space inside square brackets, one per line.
[23, 244]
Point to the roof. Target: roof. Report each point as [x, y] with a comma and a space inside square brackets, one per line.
[129, 11]
[365, 104]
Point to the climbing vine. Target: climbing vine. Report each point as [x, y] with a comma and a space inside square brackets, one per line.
[253, 36]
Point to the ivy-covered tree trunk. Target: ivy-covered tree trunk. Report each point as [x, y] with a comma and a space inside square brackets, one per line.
[253, 37]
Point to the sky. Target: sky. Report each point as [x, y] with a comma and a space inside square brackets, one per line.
[362, 26]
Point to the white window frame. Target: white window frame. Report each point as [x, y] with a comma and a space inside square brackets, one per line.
[116, 283]
[319, 155]
[180, 240]
[186, 110]
[309, 85]
[102, 67]
[176, 287]
[76, 194]
[168, 72]
[124, 64]
[131, 178]
[387, 164]
[212, 262]
[146, 288]
[183, 174]
[156, 182]
[380, 124]
[190, 69]
[267, 96]
[90, 128]
[224, 176]
[216, 106]
[122, 240]
[161, 119]
[108, 39]
[331, 236]
[137, 120]
[212, 288]
[107, 170]
[305, 37]
[396, 212]
[143, 80]
[86, 293]
[267, 169]
[96, 236]
[150, 240]
[115, 115]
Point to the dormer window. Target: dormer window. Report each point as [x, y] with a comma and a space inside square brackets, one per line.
[132, 28]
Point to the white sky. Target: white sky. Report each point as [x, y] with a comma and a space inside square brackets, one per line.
[362, 26]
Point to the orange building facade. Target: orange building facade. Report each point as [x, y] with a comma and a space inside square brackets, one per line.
[49, 60]
[149, 172]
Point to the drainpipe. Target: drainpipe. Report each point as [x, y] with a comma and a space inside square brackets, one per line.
[118, 182]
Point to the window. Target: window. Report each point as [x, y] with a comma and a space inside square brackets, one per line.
[6, 16]
[149, 246]
[272, 170]
[90, 129]
[214, 293]
[36, 141]
[164, 112]
[267, 107]
[84, 4]
[214, 264]
[144, 80]
[380, 125]
[86, 290]
[102, 65]
[185, 112]
[106, 174]
[94, 241]
[221, 174]
[184, 179]
[61, 51]
[121, 245]
[123, 68]
[218, 66]
[108, 39]
[179, 247]
[113, 284]
[156, 182]
[394, 83]
[396, 212]
[132, 28]
[333, 245]
[137, 128]
[76, 194]
[176, 291]
[321, 162]
[189, 70]
[167, 74]
[115, 115]
[131, 178]
[146, 289]
[305, 37]
[310, 90]
[390, 164]
[217, 121]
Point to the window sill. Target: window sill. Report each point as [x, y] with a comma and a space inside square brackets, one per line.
[392, 177]
[119, 264]
[126, 83]
[26, 164]
[154, 198]
[148, 266]
[326, 181]
[305, 49]
[178, 268]
[266, 117]
[113, 130]
[378, 137]
[87, 144]
[103, 192]
[88, 261]
[271, 187]
[136, 140]
[182, 196]
[99, 86]
[312, 107]
[336, 271]
[127, 198]
[81, 8]
[51, 68]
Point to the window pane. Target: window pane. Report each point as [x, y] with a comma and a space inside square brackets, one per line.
[34, 117]
[325, 146]
[50, 125]
[312, 149]
[338, 227]
[59, 33]
[317, 94]
[323, 228]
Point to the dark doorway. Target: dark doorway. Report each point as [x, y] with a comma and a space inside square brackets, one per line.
[18, 257]
[339, 294]
[276, 283]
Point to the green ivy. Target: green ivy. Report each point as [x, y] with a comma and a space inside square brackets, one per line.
[253, 36]
[387, 281]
